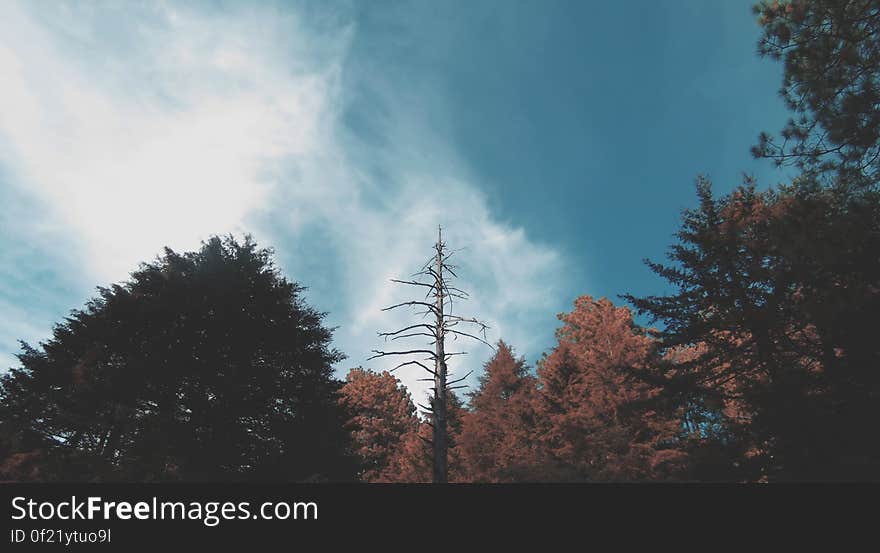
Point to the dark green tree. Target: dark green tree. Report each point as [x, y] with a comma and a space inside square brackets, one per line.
[777, 292]
[205, 365]
[831, 55]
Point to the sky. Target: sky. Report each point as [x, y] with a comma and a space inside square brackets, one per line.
[555, 142]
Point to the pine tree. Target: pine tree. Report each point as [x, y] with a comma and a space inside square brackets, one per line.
[499, 442]
[590, 403]
[830, 51]
[775, 289]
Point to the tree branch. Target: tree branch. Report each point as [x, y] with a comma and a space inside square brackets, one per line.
[409, 352]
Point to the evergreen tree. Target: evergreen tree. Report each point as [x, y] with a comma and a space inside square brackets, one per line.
[590, 406]
[203, 366]
[382, 417]
[831, 56]
[776, 289]
[499, 442]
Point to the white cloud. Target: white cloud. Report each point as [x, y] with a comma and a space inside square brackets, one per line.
[165, 126]
[185, 156]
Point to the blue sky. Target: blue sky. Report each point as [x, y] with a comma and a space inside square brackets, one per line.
[557, 142]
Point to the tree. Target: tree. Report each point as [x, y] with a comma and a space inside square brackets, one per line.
[772, 289]
[590, 399]
[498, 441]
[438, 273]
[204, 365]
[831, 55]
[382, 417]
[713, 425]
[776, 289]
[413, 461]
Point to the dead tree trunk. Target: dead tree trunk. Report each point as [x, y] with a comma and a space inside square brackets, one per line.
[437, 272]
[440, 445]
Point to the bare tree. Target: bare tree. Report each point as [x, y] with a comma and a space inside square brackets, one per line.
[436, 310]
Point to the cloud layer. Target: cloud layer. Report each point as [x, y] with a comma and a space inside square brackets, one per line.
[124, 132]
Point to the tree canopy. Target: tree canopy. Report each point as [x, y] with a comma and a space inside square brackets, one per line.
[383, 418]
[499, 437]
[831, 83]
[776, 289]
[590, 402]
[204, 365]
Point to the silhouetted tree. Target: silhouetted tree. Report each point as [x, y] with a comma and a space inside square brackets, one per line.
[204, 365]
[777, 290]
[831, 55]
[773, 289]
[382, 417]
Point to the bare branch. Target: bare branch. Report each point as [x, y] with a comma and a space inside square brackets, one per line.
[429, 271]
[477, 338]
[432, 328]
[410, 352]
[424, 304]
[457, 380]
[439, 302]
[414, 334]
[414, 363]
[413, 283]
[459, 319]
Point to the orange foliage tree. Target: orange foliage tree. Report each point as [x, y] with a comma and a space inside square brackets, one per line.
[498, 442]
[591, 404]
[382, 420]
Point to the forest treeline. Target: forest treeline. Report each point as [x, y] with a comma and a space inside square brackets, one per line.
[762, 363]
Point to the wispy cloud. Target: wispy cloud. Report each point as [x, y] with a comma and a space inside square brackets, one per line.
[131, 131]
